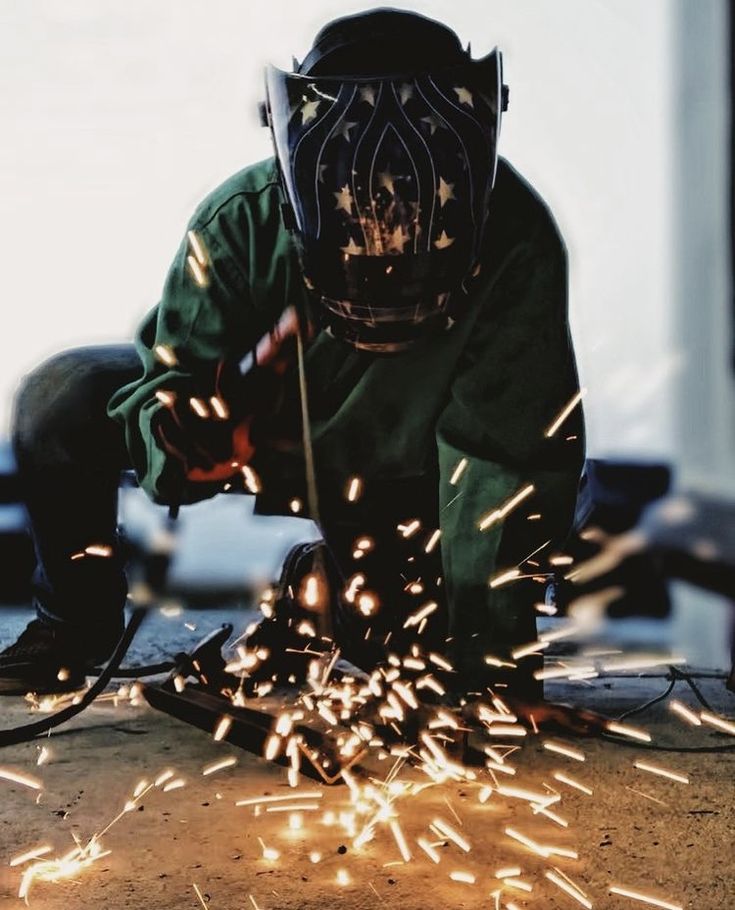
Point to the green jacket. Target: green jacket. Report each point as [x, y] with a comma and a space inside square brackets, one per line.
[485, 391]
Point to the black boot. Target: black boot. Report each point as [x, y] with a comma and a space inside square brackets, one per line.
[47, 660]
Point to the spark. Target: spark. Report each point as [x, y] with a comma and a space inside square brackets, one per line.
[366, 603]
[216, 766]
[140, 788]
[315, 857]
[466, 877]
[632, 732]
[526, 650]
[422, 613]
[509, 872]
[517, 883]
[458, 472]
[644, 898]
[429, 849]
[199, 895]
[222, 728]
[562, 749]
[44, 755]
[198, 248]
[561, 560]
[641, 662]
[199, 407]
[440, 662]
[646, 796]
[432, 541]
[446, 830]
[663, 772]
[296, 794]
[686, 713]
[501, 578]
[65, 867]
[296, 506]
[167, 398]
[295, 807]
[252, 482]
[507, 730]
[571, 782]
[30, 854]
[566, 631]
[16, 777]
[272, 747]
[566, 885]
[565, 412]
[343, 877]
[165, 354]
[354, 489]
[504, 510]
[221, 411]
[527, 842]
[174, 785]
[163, 777]
[197, 272]
[409, 529]
[400, 840]
[99, 549]
[719, 722]
[269, 853]
[311, 591]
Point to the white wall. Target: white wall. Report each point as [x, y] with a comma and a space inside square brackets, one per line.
[705, 391]
[118, 115]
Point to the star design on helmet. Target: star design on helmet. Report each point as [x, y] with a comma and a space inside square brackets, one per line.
[367, 93]
[385, 179]
[434, 123]
[344, 129]
[398, 239]
[405, 92]
[464, 95]
[344, 199]
[352, 249]
[445, 191]
[443, 241]
[308, 111]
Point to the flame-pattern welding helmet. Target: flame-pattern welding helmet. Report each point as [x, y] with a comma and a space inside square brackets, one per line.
[387, 183]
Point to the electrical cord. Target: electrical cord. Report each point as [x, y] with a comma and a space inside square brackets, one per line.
[27, 732]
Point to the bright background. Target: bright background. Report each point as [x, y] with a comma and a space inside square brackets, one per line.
[118, 116]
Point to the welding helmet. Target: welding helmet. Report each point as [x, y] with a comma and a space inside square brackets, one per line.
[386, 146]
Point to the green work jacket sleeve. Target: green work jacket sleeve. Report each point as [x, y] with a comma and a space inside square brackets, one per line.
[206, 314]
[516, 374]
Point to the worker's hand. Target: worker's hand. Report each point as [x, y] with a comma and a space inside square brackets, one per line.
[210, 430]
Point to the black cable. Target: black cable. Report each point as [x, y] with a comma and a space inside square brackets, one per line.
[652, 747]
[135, 672]
[26, 732]
[650, 703]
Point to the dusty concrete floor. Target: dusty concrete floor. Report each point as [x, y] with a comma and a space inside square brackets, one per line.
[668, 839]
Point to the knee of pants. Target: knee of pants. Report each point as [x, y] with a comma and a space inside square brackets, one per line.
[53, 405]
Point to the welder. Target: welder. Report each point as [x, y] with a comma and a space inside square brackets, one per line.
[425, 283]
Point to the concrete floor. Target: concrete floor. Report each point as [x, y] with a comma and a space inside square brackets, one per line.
[638, 831]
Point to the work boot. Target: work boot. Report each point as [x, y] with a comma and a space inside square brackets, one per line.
[289, 636]
[47, 660]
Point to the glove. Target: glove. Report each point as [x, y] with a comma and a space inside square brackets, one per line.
[207, 427]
